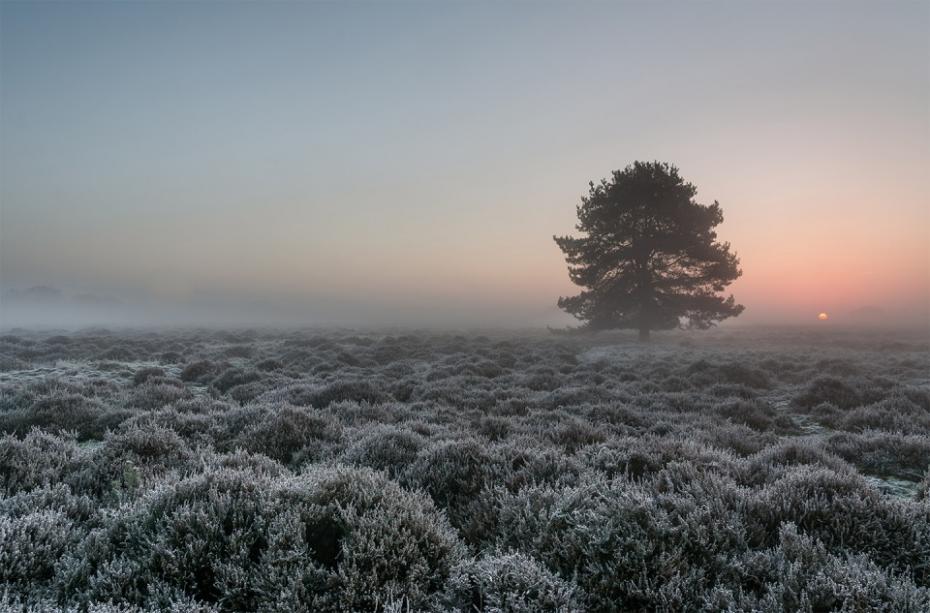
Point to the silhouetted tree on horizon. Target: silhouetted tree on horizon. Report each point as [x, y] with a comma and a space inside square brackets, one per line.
[650, 259]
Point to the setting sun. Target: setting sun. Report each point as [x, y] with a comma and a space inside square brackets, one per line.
[823, 317]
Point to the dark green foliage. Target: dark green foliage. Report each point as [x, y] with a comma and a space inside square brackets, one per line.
[650, 256]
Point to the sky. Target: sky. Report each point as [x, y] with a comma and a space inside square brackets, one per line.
[409, 162]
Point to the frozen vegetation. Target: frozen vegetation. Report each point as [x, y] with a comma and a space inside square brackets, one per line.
[345, 471]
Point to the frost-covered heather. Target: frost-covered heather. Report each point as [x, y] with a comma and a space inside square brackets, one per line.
[344, 471]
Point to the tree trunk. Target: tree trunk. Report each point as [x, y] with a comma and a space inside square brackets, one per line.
[644, 335]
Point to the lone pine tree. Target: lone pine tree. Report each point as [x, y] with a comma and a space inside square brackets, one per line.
[650, 259]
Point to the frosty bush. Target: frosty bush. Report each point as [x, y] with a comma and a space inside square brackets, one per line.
[231, 377]
[144, 374]
[130, 459]
[291, 434]
[799, 574]
[453, 473]
[30, 546]
[348, 471]
[775, 462]
[37, 459]
[322, 397]
[62, 412]
[754, 414]
[879, 453]
[387, 448]
[509, 582]
[844, 513]
[829, 389]
[196, 371]
[608, 536]
[155, 393]
[330, 539]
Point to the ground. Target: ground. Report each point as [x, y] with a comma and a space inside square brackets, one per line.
[768, 469]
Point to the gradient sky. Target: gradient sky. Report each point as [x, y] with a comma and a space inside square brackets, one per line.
[410, 162]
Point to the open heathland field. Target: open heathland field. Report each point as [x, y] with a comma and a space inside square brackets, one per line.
[326, 470]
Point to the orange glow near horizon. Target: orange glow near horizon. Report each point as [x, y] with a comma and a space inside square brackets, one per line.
[337, 168]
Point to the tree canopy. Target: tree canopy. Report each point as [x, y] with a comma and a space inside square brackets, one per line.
[649, 258]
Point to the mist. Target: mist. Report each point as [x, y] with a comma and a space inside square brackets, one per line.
[314, 163]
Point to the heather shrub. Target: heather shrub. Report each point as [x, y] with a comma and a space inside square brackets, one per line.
[511, 582]
[343, 471]
[385, 447]
[290, 434]
[704, 374]
[541, 379]
[453, 473]
[269, 365]
[622, 458]
[9, 602]
[37, 459]
[774, 462]
[191, 425]
[523, 462]
[847, 515]
[244, 461]
[144, 374]
[608, 536]
[754, 414]
[618, 417]
[118, 354]
[329, 539]
[30, 546]
[388, 543]
[247, 392]
[62, 412]
[732, 390]
[832, 390]
[880, 453]
[494, 428]
[156, 393]
[58, 498]
[231, 377]
[339, 391]
[893, 414]
[466, 394]
[572, 434]
[197, 371]
[238, 351]
[130, 459]
[800, 574]
[738, 439]
[171, 357]
[923, 489]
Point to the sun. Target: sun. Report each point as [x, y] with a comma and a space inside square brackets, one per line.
[823, 317]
